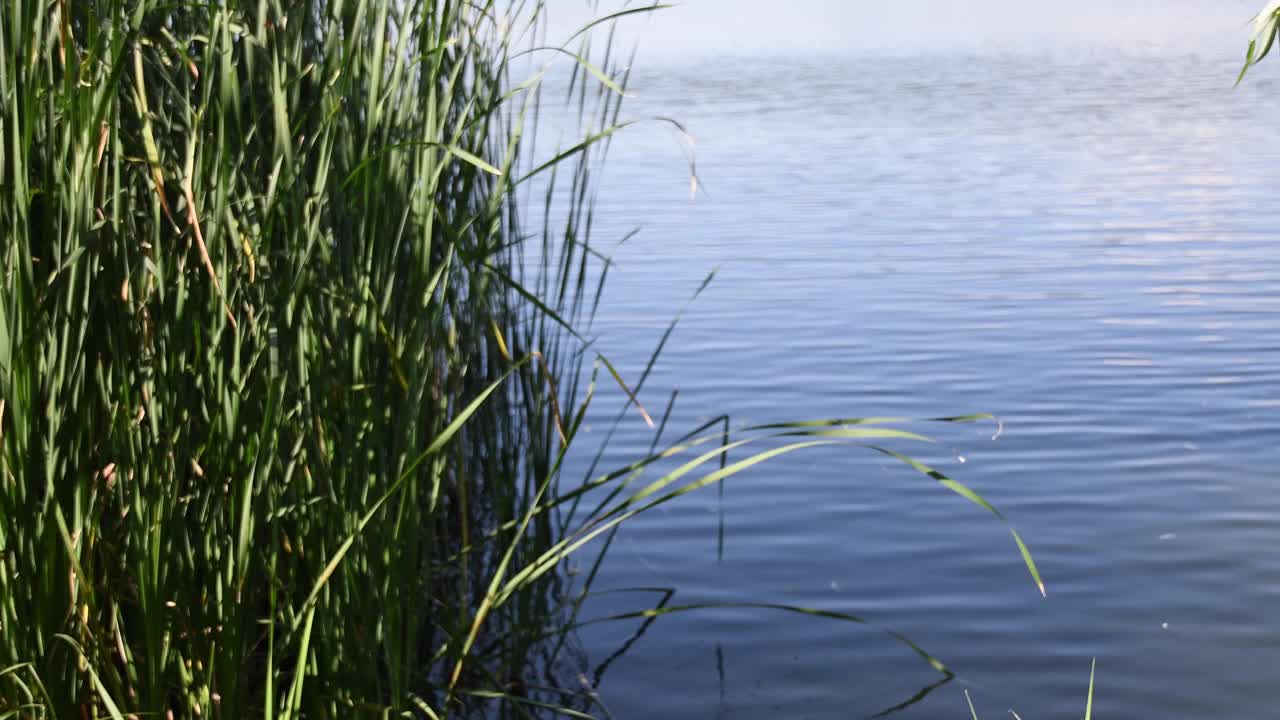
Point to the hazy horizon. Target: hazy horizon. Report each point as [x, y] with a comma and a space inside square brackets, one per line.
[699, 26]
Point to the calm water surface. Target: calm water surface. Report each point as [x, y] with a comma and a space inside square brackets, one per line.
[1080, 242]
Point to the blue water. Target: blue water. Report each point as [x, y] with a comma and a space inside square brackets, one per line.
[1081, 243]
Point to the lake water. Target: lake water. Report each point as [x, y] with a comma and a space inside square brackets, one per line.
[1082, 243]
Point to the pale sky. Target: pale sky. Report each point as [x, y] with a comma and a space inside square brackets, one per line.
[909, 25]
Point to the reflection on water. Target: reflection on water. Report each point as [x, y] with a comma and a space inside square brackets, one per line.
[1081, 243]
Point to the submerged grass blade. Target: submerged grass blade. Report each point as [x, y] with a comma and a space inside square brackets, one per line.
[662, 610]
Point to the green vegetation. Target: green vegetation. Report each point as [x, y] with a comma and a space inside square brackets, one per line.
[1088, 704]
[1266, 24]
[288, 373]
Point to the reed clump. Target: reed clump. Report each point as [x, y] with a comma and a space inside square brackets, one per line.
[263, 349]
[287, 373]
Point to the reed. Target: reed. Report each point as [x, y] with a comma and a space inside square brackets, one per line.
[1266, 24]
[288, 369]
[1088, 703]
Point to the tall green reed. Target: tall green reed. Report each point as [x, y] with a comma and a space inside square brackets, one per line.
[261, 259]
[287, 377]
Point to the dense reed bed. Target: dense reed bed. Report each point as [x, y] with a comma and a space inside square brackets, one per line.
[288, 369]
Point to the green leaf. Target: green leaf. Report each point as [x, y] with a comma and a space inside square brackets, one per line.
[113, 711]
[614, 16]
[474, 160]
[1088, 707]
[1030, 563]
[967, 493]
[1266, 24]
